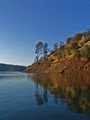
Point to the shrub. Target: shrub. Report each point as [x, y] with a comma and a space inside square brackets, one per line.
[77, 53]
[74, 45]
[85, 52]
[77, 37]
[87, 39]
[69, 40]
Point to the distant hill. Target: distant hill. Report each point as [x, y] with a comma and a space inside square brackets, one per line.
[72, 56]
[8, 67]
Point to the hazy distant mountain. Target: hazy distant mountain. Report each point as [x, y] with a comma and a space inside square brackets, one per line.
[8, 67]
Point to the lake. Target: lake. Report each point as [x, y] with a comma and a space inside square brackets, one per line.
[44, 96]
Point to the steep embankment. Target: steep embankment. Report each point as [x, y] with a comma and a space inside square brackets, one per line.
[75, 65]
[7, 67]
[72, 57]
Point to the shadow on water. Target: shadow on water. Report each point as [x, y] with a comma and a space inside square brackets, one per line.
[72, 89]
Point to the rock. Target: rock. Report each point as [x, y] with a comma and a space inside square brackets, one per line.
[61, 71]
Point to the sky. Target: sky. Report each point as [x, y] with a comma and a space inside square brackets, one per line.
[25, 22]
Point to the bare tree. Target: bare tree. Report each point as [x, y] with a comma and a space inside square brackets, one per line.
[45, 49]
[38, 49]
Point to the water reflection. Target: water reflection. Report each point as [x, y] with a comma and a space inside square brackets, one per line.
[11, 75]
[73, 89]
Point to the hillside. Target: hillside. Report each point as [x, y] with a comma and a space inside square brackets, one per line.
[7, 67]
[70, 57]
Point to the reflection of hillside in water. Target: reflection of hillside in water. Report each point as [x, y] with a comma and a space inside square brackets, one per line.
[73, 89]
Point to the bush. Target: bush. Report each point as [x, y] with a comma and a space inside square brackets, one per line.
[74, 45]
[77, 53]
[77, 37]
[69, 40]
[85, 52]
[87, 39]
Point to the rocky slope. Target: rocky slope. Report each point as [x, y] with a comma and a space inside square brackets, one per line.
[71, 57]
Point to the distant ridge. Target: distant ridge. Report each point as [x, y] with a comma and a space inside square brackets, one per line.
[9, 67]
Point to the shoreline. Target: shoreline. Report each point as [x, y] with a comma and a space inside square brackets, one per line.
[63, 66]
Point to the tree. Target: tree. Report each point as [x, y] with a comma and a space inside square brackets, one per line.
[45, 49]
[55, 46]
[38, 49]
[61, 44]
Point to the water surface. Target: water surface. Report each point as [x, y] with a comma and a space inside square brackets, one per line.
[44, 96]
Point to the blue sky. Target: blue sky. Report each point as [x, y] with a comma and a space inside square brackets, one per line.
[25, 22]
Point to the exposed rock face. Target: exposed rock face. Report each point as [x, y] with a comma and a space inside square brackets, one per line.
[61, 67]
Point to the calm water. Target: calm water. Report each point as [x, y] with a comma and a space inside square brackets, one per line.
[44, 97]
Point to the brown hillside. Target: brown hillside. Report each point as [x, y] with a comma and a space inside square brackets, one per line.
[72, 57]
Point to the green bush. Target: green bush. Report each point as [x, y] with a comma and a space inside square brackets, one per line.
[85, 52]
[74, 45]
[77, 53]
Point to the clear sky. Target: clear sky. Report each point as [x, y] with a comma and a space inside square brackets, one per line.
[25, 22]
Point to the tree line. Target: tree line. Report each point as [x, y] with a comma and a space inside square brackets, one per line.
[76, 45]
[43, 49]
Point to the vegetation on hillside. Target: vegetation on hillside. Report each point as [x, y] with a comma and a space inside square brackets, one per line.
[69, 56]
[77, 46]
